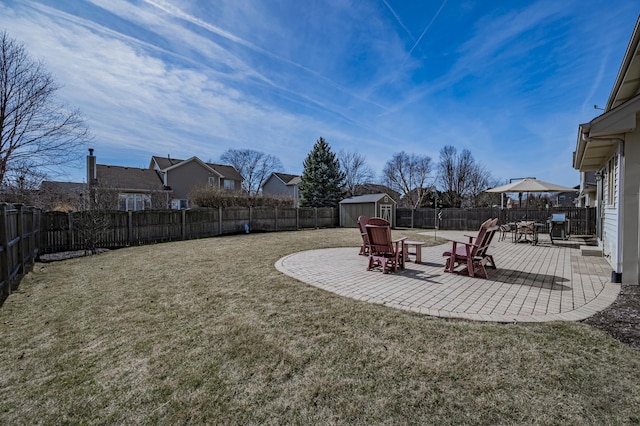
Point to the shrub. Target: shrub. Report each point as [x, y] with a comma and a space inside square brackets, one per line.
[209, 196]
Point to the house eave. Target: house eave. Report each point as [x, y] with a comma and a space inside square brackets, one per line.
[598, 139]
[627, 84]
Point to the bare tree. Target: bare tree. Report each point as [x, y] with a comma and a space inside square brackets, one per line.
[479, 180]
[36, 130]
[254, 166]
[408, 174]
[456, 175]
[355, 169]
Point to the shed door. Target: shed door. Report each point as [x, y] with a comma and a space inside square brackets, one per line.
[385, 212]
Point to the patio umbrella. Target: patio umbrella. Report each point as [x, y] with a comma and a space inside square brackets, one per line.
[531, 185]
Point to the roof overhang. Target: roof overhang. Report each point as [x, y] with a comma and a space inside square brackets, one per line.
[627, 84]
[196, 160]
[598, 139]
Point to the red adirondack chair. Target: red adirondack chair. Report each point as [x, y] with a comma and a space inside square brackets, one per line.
[383, 251]
[364, 248]
[473, 253]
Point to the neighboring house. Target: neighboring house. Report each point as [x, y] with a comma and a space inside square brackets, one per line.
[374, 188]
[126, 188]
[609, 145]
[587, 196]
[62, 196]
[284, 185]
[184, 175]
[564, 199]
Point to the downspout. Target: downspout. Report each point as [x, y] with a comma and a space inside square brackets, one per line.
[616, 276]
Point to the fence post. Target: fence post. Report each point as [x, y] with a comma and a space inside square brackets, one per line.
[275, 215]
[20, 223]
[35, 230]
[69, 230]
[184, 223]
[250, 218]
[130, 227]
[219, 220]
[297, 218]
[4, 256]
[315, 209]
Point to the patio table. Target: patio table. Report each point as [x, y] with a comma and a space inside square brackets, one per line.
[418, 250]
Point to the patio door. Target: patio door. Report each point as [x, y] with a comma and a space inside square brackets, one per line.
[385, 212]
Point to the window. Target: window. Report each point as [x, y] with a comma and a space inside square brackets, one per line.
[135, 202]
[229, 184]
[213, 181]
[178, 204]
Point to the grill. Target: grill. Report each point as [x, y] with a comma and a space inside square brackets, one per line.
[558, 226]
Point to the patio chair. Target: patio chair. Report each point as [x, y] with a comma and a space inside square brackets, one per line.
[505, 229]
[383, 251]
[524, 229]
[473, 253]
[364, 248]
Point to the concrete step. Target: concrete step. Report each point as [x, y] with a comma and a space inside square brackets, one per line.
[591, 251]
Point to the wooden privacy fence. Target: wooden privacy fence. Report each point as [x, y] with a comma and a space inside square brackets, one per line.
[582, 221]
[110, 229]
[19, 243]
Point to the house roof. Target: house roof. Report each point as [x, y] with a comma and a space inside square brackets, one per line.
[295, 181]
[71, 189]
[129, 178]
[599, 138]
[627, 84]
[367, 198]
[288, 179]
[374, 188]
[225, 171]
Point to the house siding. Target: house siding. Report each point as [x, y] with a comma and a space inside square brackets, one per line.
[610, 222]
[181, 179]
[274, 186]
[630, 217]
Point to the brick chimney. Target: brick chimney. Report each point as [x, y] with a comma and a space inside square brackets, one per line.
[91, 168]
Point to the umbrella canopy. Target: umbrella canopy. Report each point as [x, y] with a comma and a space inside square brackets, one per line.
[532, 185]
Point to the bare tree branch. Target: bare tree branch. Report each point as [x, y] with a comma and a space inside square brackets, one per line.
[408, 174]
[355, 169]
[35, 129]
[254, 166]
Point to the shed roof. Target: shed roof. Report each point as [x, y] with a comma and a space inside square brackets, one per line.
[367, 198]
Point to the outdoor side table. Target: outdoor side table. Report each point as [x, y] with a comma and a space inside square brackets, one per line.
[418, 250]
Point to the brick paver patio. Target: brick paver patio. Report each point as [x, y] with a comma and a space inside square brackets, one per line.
[533, 283]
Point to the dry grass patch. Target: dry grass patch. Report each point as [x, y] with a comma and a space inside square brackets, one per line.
[208, 331]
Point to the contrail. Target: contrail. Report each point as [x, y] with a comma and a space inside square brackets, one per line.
[427, 27]
[395, 15]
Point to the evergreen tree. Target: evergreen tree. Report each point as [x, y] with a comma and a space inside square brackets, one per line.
[322, 180]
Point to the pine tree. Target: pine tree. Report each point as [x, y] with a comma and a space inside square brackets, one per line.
[322, 180]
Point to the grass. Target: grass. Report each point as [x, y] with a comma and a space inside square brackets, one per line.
[207, 331]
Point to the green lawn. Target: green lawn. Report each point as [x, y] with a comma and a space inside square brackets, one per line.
[208, 331]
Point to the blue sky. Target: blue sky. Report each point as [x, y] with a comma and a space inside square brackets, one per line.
[508, 80]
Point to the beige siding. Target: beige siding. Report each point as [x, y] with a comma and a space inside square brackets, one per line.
[186, 177]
